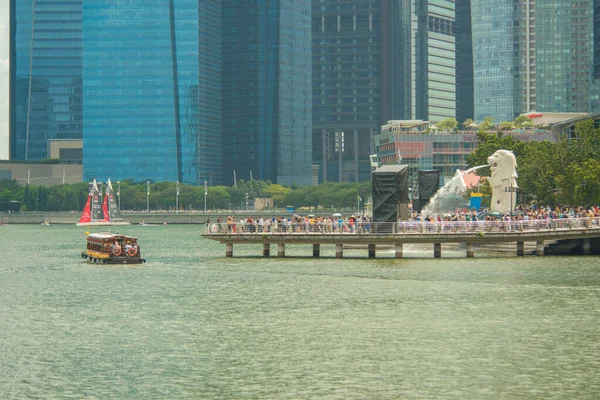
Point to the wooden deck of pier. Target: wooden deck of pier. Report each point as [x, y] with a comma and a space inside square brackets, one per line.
[397, 240]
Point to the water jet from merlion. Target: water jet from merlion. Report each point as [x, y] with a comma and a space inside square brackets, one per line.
[503, 167]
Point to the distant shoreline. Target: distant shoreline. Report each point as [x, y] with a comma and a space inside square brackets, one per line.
[197, 218]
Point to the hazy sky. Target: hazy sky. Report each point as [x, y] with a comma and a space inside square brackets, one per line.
[3, 79]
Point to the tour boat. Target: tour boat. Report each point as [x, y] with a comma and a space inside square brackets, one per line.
[108, 248]
[99, 212]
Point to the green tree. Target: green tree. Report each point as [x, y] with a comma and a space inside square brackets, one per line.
[523, 122]
[448, 124]
[487, 144]
[29, 199]
[218, 197]
[277, 193]
[487, 124]
[42, 199]
[537, 169]
[467, 123]
[505, 126]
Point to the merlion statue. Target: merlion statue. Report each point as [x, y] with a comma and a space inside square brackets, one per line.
[503, 165]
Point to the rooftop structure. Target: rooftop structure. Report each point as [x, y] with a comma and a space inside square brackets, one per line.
[405, 126]
[442, 151]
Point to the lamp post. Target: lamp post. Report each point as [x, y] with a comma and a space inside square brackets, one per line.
[511, 189]
[147, 196]
[364, 195]
[205, 194]
[177, 197]
[119, 194]
[358, 204]
[246, 201]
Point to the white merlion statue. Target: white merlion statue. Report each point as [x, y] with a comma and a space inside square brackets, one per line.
[503, 165]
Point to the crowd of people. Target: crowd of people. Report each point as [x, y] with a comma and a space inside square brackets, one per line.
[363, 224]
[291, 224]
[521, 213]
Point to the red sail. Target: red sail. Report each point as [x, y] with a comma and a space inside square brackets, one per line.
[86, 215]
[105, 209]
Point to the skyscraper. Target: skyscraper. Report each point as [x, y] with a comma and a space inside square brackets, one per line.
[267, 91]
[533, 55]
[152, 95]
[464, 62]
[46, 75]
[139, 81]
[564, 56]
[352, 83]
[374, 61]
[596, 28]
[495, 67]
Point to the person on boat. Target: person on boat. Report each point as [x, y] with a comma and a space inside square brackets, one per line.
[131, 249]
[116, 249]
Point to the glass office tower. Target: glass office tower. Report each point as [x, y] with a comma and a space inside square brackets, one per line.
[361, 58]
[464, 62]
[375, 61]
[434, 74]
[564, 54]
[533, 55]
[46, 75]
[596, 28]
[496, 72]
[267, 91]
[152, 90]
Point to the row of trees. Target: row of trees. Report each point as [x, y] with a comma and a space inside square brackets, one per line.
[133, 196]
[488, 124]
[565, 172]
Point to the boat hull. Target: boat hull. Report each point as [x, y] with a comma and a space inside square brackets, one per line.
[99, 223]
[95, 258]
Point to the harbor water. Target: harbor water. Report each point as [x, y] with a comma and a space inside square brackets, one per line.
[192, 324]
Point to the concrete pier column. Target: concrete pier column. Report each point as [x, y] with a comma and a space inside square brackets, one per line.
[470, 250]
[280, 249]
[437, 250]
[316, 249]
[398, 247]
[371, 250]
[339, 251]
[228, 249]
[520, 249]
[587, 247]
[539, 248]
[266, 249]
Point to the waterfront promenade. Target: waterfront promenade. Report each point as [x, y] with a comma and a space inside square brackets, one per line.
[579, 235]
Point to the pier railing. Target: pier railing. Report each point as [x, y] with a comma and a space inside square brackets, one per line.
[402, 227]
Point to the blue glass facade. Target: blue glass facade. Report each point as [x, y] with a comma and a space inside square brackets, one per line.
[46, 75]
[564, 53]
[596, 29]
[266, 87]
[152, 90]
[495, 71]
[533, 56]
